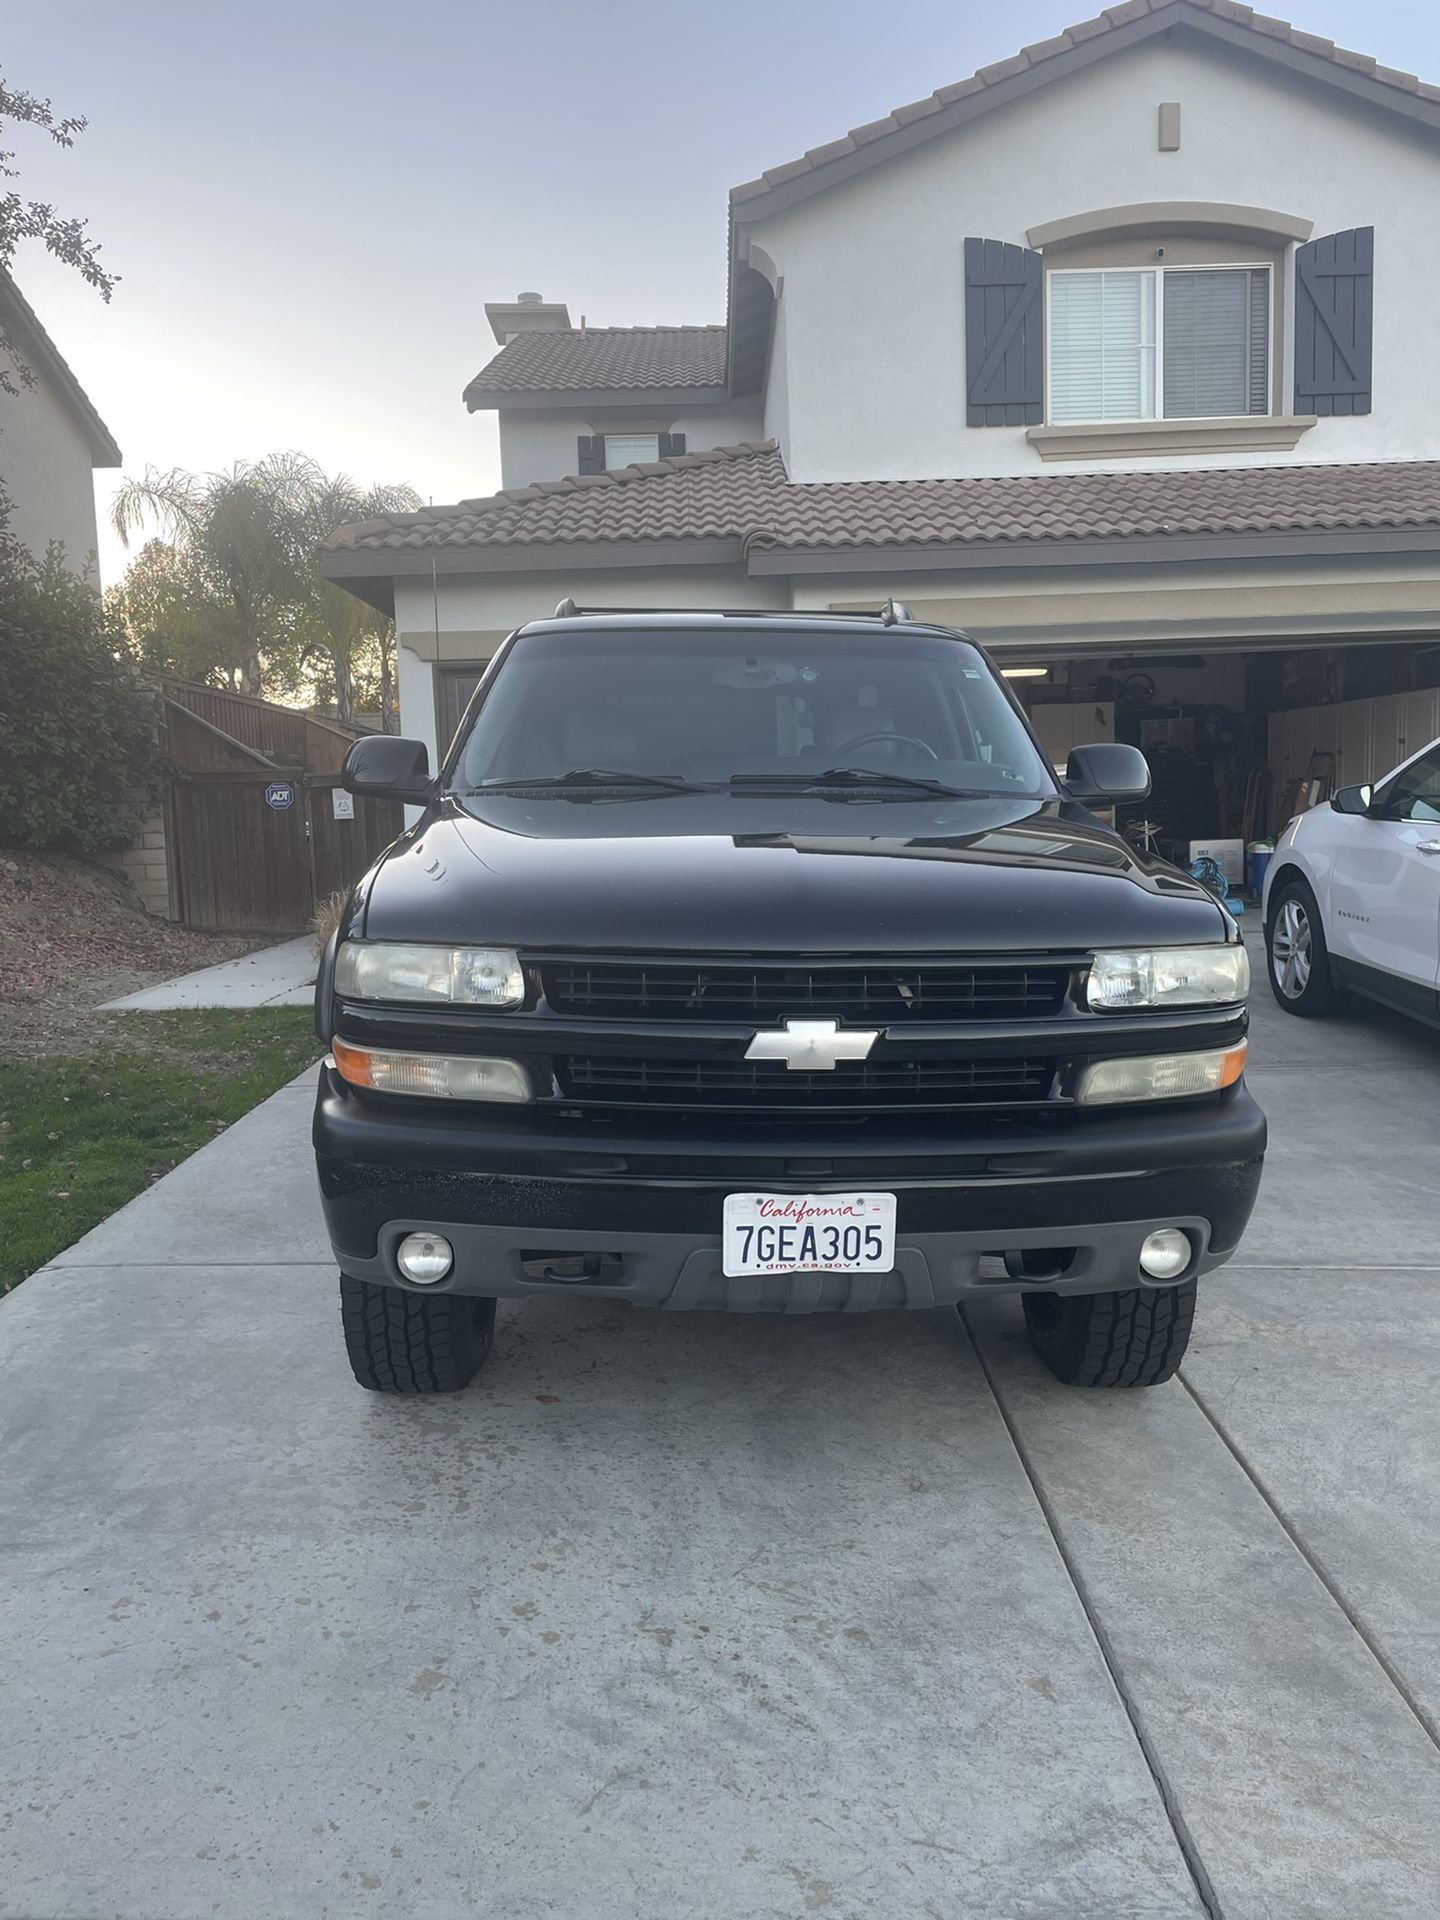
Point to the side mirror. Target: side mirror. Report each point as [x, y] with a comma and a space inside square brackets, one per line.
[1352, 799]
[388, 769]
[1106, 774]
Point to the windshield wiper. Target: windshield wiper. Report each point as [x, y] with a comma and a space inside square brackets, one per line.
[591, 777]
[861, 777]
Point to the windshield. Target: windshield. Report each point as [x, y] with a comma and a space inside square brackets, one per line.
[710, 707]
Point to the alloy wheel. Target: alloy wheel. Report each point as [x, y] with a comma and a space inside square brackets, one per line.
[1291, 949]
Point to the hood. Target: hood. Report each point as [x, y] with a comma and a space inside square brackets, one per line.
[744, 874]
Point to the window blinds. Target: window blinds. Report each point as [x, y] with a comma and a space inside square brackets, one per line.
[1216, 327]
[1102, 346]
[1213, 349]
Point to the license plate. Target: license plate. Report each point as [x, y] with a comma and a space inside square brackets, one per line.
[809, 1233]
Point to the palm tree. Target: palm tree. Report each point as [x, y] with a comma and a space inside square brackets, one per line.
[332, 621]
[249, 537]
[238, 530]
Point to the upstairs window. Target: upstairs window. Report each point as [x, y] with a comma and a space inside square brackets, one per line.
[612, 452]
[630, 449]
[1168, 343]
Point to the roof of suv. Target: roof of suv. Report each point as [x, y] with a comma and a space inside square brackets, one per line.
[623, 619]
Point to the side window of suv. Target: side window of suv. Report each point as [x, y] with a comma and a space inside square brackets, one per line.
[1415, 793]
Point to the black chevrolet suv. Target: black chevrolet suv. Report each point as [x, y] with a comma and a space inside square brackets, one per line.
[759, 962]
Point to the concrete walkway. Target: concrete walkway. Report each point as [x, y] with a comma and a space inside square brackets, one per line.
[688, 1615]
[282, 976]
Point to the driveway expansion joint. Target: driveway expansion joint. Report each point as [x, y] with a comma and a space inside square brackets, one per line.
[1169, 1800]
[1315, 1564]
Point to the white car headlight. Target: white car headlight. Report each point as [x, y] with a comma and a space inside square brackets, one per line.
[1169, 977]
[460, 976]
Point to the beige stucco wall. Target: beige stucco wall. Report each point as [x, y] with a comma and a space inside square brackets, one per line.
[45, 468]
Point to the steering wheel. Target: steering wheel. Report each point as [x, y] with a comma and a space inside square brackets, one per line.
[894, 739]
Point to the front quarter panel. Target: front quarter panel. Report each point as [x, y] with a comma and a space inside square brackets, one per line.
[1307, 847]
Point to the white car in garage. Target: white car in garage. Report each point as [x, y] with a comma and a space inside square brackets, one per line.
[1352, 897]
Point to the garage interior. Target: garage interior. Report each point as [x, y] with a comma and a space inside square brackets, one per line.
[1239, 739]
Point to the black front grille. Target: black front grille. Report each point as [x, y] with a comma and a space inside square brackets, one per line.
[886, 991]
[768, 1085]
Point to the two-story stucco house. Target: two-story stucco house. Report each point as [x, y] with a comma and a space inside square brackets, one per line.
[1122, 354]
[51, 440]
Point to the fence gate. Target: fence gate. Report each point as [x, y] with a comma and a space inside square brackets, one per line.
[254, 852]
[346, 833]
[239, 852]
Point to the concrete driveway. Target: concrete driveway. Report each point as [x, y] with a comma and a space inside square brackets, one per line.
[692, 1616]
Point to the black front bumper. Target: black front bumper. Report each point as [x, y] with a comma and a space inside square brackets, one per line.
[524, 1196]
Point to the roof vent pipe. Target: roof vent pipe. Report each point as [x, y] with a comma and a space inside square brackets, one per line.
[529, 299]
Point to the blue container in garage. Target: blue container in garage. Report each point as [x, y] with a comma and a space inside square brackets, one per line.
[1259, 863]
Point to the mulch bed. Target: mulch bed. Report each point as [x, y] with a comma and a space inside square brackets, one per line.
[73, 935]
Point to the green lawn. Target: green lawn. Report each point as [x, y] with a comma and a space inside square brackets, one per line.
[79, 1137]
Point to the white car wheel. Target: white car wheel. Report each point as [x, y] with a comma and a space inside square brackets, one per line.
[1300, 976]
[1291, 949]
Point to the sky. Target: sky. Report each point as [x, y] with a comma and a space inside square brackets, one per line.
[308, 204]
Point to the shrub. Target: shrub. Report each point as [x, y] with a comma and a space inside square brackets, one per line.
[77, 731]
[326, 918]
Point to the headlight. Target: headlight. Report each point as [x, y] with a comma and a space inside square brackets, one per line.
[1169, 977]
[463, 976]
[1159, 1076]
[437, 1076]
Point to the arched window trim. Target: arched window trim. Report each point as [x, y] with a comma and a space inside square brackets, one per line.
[1175, 217]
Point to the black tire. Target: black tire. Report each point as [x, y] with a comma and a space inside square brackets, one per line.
[1132, 1339]
[402, 1342]
[1297, 960]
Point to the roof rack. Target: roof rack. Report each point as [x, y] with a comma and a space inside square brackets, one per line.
[891, 614]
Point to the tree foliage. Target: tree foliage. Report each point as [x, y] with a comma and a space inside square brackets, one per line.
[77, 730]
[67, 238]
[233, 589]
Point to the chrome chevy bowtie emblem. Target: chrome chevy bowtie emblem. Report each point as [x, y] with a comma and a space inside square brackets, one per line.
[812, 1046]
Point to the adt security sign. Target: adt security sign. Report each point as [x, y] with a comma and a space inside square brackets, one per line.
[280, 795]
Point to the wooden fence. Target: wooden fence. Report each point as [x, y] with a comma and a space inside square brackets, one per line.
[257, 836]
[256, 851]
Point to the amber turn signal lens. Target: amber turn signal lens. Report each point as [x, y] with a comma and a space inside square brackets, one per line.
[1234, 1065]
[352, 1064]
[1165, 1076]
[433, 1076]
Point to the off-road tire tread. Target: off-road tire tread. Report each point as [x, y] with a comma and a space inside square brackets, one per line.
[1132, 1339]
[402, 1342]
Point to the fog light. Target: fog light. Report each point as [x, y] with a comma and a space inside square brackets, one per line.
[1166, 1254]
[428, 1257]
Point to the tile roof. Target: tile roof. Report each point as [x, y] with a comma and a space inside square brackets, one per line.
[741, 493]
[697, 496]
[1229, 13]
[603, 358]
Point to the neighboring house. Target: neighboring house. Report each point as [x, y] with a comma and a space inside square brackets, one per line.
[51, 440]
[1123, 354]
